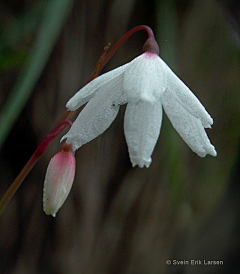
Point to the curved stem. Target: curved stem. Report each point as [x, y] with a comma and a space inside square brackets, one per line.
[118, 44]
[124, 38]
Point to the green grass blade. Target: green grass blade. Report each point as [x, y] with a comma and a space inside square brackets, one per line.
[54, 17]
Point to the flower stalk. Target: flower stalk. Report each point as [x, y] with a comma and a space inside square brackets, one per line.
[123, 39]
[65, 120]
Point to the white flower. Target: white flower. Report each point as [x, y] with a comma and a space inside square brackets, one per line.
[146, 84]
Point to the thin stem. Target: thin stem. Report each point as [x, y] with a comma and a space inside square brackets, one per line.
[19, 179]
[58, 128]
[99, 64]
[34, 158]
[119, 43]
[124, 38]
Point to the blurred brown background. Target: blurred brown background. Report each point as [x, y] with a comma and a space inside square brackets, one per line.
[119, 219]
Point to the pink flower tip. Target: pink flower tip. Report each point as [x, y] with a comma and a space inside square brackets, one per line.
[59, 179]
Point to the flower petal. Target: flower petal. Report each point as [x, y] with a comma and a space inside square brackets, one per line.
[187, 99]
[188, 126]
[89, 91]
[145, 78]
[97, 115]
[142, 124]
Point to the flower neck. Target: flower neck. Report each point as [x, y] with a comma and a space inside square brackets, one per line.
[151, 46]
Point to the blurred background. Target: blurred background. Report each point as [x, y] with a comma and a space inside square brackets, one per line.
[119, 219]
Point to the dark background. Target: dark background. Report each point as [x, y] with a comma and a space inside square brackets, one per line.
[119, 219]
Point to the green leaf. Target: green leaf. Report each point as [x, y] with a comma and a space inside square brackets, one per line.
[54, 17]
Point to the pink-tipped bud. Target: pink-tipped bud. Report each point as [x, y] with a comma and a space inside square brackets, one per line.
[59, 179]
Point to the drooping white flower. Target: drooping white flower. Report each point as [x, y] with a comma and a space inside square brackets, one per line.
[146, 84]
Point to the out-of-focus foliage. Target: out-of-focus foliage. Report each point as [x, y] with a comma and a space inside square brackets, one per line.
[119, 219]
[53, 17]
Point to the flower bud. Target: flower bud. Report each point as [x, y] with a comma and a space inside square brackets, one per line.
[59, 179]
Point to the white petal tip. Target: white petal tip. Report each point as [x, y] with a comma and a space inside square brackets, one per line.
[208, 125]
[208, 122]
[72, 105]
[49, 212]
[141, 162]
[63, 138]
[208, 150]
[66, 137]
[213, 152]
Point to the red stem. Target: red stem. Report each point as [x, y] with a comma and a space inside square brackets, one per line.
[120, 42]
[124, 38]
[61, 124]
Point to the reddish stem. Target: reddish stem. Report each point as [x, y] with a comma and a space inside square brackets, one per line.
[61, 124]
[119, 43]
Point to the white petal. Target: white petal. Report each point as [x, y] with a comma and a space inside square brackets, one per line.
[187, 99]
[145, 78]
[142, 124]
[97, 115]
[188, 126]
[89, 91]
